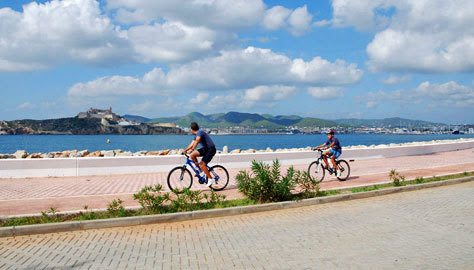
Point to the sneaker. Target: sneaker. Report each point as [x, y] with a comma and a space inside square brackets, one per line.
[210, 181]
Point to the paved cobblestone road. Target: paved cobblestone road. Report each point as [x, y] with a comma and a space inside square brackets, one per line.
[426, 229]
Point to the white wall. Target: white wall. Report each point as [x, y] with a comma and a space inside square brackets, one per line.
[21, 168]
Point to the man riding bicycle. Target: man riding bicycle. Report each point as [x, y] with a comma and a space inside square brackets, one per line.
[334, 151]
[207, 151]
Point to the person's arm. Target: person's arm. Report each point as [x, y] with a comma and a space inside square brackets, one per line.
[317, 147]
[194, 144]
[189, 146]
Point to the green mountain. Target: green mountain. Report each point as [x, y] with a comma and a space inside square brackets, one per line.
[254, 120]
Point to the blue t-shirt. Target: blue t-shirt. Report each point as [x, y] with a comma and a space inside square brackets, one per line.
[337, 145]
[205, 141]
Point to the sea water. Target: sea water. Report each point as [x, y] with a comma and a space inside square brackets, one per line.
[51, 143]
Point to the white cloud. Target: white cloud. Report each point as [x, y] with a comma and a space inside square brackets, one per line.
[275, 17]
[300, 21]
[57, 32]
[172, 42]
[396, 80]
[420, 36]
[232, 70]
[446, 94]
[26, 106]
[215, 14]
[260, 96]
[296, 22]
[326, 92]
[44, 35]
[200, 98]
[151, 83]
[142, 107]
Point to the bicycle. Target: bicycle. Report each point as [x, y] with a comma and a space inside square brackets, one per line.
[180, 177]
[316, 170]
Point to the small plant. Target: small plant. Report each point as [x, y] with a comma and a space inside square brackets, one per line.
[308, 187]
[186, 200]
[116, 209]
[397, 178]
[267, 184]
[214, 199]
[419, 180]
[49, 216]
[151, 199]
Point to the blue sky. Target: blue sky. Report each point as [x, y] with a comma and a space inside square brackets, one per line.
[326, 59]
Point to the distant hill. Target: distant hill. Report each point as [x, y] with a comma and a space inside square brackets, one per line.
[386, 122]
[231, 119]
[136, 118]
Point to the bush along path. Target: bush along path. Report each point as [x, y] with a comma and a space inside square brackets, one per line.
[262, 184]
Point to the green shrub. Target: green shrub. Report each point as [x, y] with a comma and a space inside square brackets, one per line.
[186, 200]
[214, 199]
[267, 184]
[116, 209]
[397, 178]
[308, 187]
[151, 199]
[419, 179]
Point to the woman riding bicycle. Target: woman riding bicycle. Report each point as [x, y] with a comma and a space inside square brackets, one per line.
[334, 151]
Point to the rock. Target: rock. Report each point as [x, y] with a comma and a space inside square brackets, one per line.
[83, 153]
[124, 154]
[225, 149]
[249, 151]
[139, 153]
[73, 154]
[165, 152]
[180, 151]
[6, 156]
[268, 149]
[152, 153]
[118, 151]
[109, 153]
[20, 154]
[47, 155]
[95, 154]
[35, 155]
[235, 151]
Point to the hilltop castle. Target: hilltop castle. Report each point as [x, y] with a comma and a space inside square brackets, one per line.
[101, 114]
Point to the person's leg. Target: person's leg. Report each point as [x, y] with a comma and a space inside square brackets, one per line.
[203, 166]
[194, 155]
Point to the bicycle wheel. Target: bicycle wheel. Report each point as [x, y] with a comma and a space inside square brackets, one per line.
[316, 171]
[179, 178]
[345, 169]
[221, 183]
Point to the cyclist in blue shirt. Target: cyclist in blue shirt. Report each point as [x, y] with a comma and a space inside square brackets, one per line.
[207, 151]
[334, 151]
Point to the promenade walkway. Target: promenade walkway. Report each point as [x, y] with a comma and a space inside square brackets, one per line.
[425, 229]
[33, 195]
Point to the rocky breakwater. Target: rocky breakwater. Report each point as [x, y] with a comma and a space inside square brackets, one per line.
[22, 154]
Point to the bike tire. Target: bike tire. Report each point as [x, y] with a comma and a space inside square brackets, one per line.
[179, 178]
[316, 171]
[345, 169]
[218, 170]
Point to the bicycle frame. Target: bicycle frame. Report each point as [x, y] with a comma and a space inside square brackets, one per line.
[197, 170]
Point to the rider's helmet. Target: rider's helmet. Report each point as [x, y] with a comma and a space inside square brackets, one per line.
[330, 132]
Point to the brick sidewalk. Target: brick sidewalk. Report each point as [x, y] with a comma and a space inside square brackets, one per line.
[33, 195]
[427, 229]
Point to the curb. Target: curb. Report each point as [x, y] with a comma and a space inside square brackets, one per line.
[212, 213]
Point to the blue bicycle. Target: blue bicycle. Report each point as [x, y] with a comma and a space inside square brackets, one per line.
[180, 177]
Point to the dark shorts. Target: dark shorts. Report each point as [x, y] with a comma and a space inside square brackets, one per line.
[207, 154]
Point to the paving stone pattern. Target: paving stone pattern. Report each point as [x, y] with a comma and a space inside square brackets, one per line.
[426, 229]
